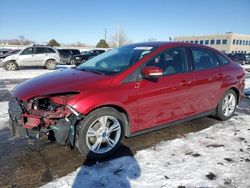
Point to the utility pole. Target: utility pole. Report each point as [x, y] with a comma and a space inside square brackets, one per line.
[105, 35]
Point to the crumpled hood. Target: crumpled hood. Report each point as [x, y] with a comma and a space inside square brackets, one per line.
[61, 81]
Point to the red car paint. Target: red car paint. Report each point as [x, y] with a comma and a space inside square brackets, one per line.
[147, 104]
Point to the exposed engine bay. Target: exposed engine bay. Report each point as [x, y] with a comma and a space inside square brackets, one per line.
[47, 115]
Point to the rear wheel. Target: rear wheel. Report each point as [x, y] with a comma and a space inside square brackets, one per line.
[227, 105]
[50, 64]
[10, 66]
[100, 133]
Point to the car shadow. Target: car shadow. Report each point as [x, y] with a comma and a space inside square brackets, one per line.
[115, 171]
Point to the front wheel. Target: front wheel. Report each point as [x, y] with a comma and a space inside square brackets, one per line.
[100, 133]
[10, 66]
[50, 64]
[227, 105]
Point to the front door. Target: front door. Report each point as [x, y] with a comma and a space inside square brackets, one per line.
[169, 97]
[25, 58]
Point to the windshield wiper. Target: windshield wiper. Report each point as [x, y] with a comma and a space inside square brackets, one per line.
[89, 70]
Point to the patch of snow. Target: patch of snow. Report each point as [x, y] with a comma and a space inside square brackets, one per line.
[220, 152]
[247, 81]
[27, 72]
[4, 116]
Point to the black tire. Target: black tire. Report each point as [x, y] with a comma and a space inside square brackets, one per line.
[17, 130]
[50, 64]
[220, 114]
[72, 62]
[85, 125]
[10, 66]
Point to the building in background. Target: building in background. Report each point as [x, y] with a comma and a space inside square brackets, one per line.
[229, 42]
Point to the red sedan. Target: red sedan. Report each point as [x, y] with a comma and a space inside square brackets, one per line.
[125, 92]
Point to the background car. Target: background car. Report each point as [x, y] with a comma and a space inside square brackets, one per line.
[247, 58]
[240, 58]
[45, 56]
[78, 59]
[11, 52]
[4, 51]
[66, 54]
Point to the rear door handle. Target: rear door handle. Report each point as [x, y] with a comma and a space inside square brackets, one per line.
[185, 82]
[221, 75]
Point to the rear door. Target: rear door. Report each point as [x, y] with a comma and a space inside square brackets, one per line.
[40, 56]
[208, 78]
[167, 98]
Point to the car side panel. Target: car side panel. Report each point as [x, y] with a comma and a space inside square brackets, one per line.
[165, 100]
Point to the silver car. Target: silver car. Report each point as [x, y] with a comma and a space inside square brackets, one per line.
[45, 56]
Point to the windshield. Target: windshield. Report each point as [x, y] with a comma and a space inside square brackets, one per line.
[116, 60]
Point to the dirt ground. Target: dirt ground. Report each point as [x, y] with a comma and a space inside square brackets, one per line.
[32, 163]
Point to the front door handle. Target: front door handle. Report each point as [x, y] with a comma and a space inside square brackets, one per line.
[137, 85]
[185, 82]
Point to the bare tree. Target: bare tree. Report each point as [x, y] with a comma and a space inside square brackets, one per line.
[77, 44]
[119, 38]
[22, 40]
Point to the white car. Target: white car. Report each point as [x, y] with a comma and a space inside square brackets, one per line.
[45, 56]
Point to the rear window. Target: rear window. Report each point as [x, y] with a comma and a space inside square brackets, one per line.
[204, 59]
[50, 50]
[222, 59]
[64, 52]
[40, 50]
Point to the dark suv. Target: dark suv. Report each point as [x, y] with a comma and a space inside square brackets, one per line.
[240, 58]
[66, 54]
[78, 59]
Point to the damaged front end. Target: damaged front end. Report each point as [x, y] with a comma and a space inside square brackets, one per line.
[47, 115]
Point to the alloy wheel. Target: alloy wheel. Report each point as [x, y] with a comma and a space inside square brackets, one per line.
[103, 134]
[11, 66]
[228, 105]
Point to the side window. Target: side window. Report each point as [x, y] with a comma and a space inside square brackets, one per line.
[222, 60]
[75, 52]
[171, 61]
[64, 53]
[204, 59]
[27, 51]
[50, 50]
[40, 50]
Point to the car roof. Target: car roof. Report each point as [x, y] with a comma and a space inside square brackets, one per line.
[170, 44]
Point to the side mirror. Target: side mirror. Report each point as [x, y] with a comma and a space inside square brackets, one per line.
[152, 72]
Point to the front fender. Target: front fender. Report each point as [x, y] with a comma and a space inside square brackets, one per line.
[86, 103]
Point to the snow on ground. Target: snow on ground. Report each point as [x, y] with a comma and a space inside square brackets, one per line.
[218, 156]
[3, 114]
[27, 72]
